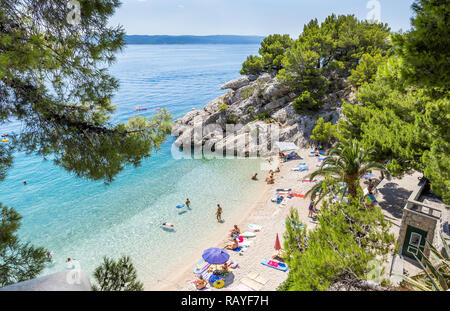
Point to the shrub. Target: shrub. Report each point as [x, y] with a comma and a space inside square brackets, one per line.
[262, 116]
[323, 132]
[223, 108]
[232, 119]
[271, 56]
[306, 103]
[117, 276]
[247, 93]
[253, 65]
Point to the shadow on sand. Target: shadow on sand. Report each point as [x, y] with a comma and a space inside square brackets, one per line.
[394, 199]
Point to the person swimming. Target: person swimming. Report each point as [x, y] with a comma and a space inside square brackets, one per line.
[167, 225]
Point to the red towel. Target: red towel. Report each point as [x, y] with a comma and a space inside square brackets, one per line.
[273, 263]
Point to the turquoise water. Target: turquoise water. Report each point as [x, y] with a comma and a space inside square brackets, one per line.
[87, 220]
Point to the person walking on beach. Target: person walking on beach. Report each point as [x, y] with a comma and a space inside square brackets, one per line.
[219, 213]
[311, 209]
[188, 203]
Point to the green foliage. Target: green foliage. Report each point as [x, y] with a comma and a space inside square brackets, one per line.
[366, 70]
[405, 124]
[300, 72]
[295, 241]
[346, 163]
[262, 115]
[54, 79]
[271, 54]
[347, 238]
[247, 93]
[435, 277]
[425, 47]
[324, 55]
[223, 108]
[117, 276]
[18, 261]
[232, 119]
[323, 132]
[305, 103]
[252, 65]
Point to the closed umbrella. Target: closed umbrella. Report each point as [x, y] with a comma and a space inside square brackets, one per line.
[215, 256]
[367, 176]
[277, 244]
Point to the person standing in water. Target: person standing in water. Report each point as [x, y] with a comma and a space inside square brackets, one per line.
[188, 203]
[219, 213]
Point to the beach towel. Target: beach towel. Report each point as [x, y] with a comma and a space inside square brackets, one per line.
[207, 275]
[300, 169]
[261, 280]
[275, 264]
[255, 227]
[252, 284]
[201, 266]
[297, 194]
[246, 243]
[237, 249]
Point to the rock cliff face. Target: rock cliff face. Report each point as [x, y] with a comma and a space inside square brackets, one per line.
[253, 102]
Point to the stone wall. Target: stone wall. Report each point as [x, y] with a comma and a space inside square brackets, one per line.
[419, 221]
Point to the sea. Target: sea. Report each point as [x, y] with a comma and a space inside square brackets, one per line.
[88, 220]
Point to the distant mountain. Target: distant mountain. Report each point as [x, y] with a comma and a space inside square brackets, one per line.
[220, 39]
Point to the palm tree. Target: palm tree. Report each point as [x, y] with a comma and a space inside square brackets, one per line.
[347, 162]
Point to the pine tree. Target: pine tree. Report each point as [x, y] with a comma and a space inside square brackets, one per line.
[338, 250]
[54, 79]
[18, 261]
[425, 48]
[117, 276]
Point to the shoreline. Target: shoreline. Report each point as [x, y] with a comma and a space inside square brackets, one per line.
[262, 212]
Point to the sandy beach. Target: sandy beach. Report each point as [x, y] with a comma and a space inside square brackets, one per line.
[263, 212]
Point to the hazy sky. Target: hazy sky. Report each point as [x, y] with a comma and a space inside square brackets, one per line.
[246, 17]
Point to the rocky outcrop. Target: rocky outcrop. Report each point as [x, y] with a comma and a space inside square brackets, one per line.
[254, 105]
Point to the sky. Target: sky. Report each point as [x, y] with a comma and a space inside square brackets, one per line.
[248, 17]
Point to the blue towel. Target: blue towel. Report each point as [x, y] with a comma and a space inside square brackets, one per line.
[237, 249]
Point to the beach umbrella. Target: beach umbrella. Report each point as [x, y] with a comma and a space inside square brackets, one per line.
[277, 244]
[215, 256]
[369, 176]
